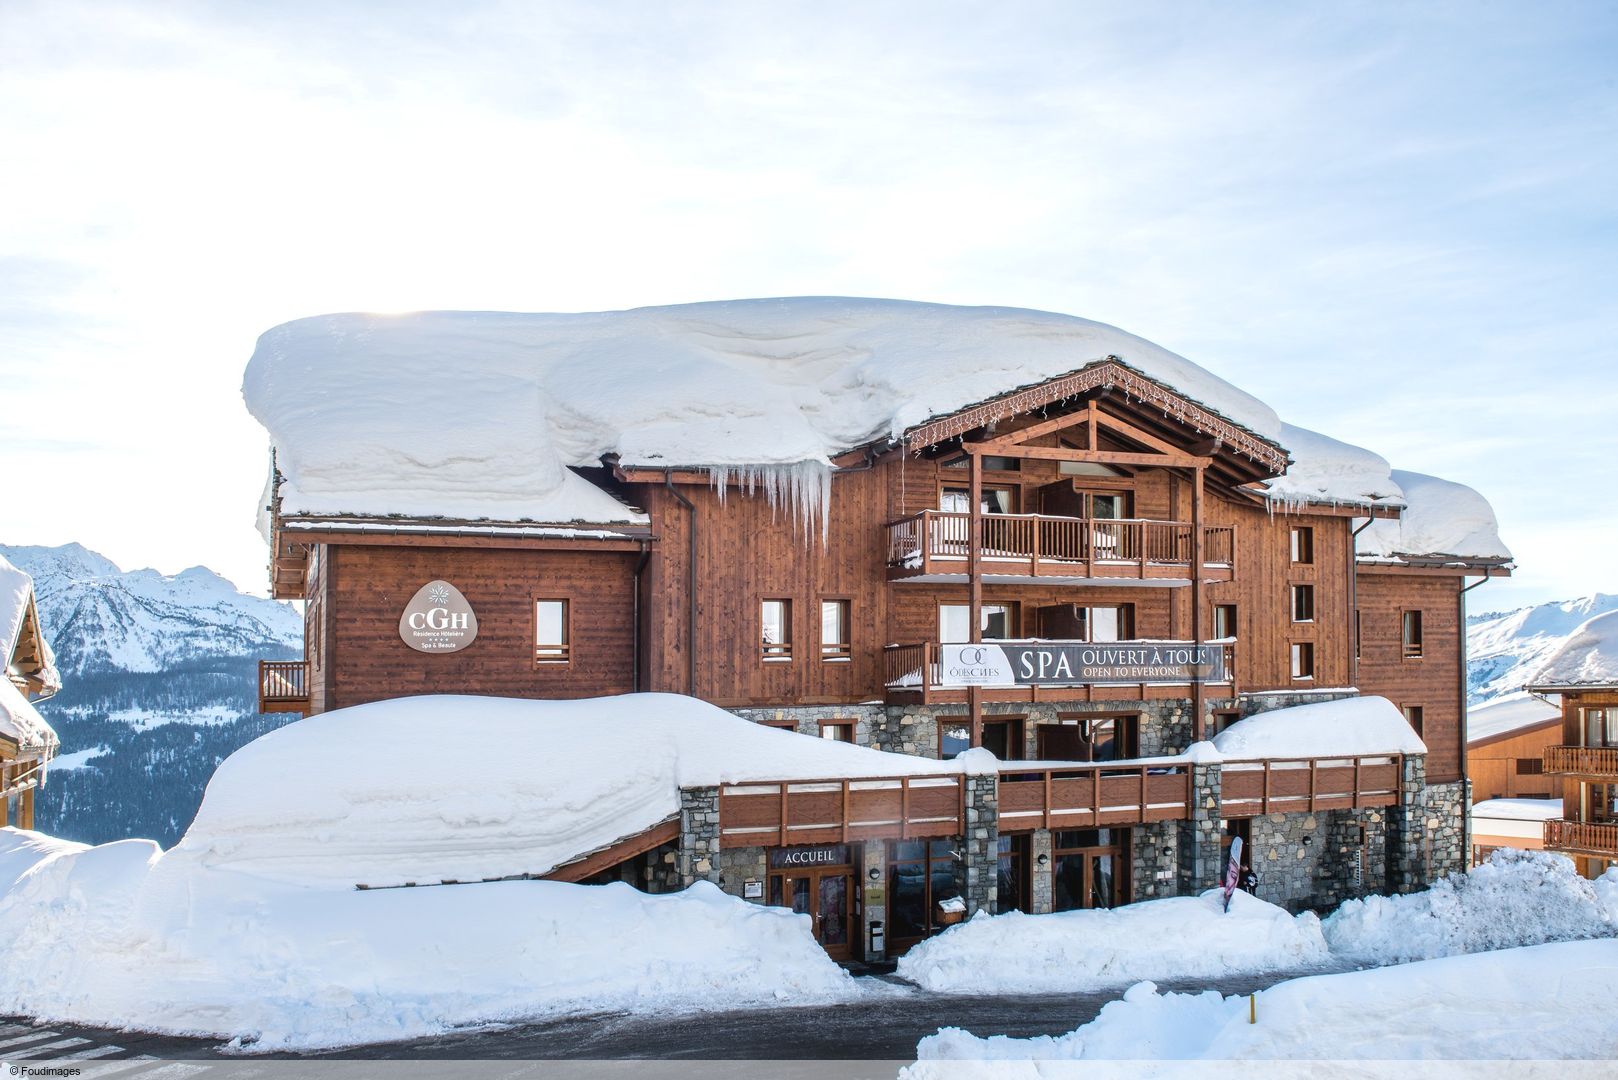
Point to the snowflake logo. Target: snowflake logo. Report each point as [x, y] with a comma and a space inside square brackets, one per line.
[439, 594]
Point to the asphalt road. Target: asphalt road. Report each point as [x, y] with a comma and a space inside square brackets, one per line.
[884, 1026]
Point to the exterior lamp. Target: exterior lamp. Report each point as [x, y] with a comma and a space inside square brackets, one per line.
[1043, 860]
[874, 874]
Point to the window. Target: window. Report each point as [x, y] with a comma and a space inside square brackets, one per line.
[1087, 869]
[1082, 737]
[1108, 505]
[1303, 544]
[996, 500]
[991, 463]
[1303, 603]
[1223, 719]
[1413, 714]
[1224, 618]
[999, 622]
[837, 730]
[1303, 660]
[1600, 727]
[1101, 624]
[1412, 633]
[954, 738]
[835, 643]
[920, 874]
[1012, 886]
[551, 632]
[1530, 766]
[1356, 633]
[775, 629]
[1003, 738]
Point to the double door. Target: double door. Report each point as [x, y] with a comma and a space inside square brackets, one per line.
[825, 894]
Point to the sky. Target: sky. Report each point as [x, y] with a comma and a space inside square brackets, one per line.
[1396, 224]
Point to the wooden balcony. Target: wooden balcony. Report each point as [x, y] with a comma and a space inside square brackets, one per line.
[283, 686]
[1308, 785]
[781, 814]
[911, 676]
[933, 545]
[1600, 762]
[1599, 838]
[1092, 796]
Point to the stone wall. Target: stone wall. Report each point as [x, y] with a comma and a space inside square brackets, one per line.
[1198, 854]
[1316, 861]
[806, 719]
[737, 866]
[699, 835]
[982, 844]
[1165, 725]
[1154, 860]
[1041, 887]
[1266, 701]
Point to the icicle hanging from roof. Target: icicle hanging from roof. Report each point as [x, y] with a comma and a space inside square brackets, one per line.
[803, 487]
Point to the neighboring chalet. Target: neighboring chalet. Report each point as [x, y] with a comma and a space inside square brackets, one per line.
[912, 527]
[27, 742]
[1583, 675]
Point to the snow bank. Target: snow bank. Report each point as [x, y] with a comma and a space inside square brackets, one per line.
[1181, 937]
[479, 414]
[1442, 519]
[1516, 898]
[1522, 1004]
[1342, 728]
[1518, 809]
[1589, 656]
[516, 786]
[123, 936]
[1506, 714]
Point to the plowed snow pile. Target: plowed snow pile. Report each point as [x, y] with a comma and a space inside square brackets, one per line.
[1181, 937]
[1516, 898]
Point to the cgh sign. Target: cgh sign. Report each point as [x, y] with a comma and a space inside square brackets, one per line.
[438, 620]
[1063, 663]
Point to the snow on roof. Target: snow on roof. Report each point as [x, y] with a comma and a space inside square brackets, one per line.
[1589, 656]
[519, 787]
[1326, 470]
[1342, 728]
[478, 415]
[1508, 714]
[1518, 809]
[21, 723]
[1442, 519]
[16, 598]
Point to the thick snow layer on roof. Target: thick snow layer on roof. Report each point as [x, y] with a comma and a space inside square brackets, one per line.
[1503, 715]
[1519, 810]
[1326, 470]
[1589, 656]
[478, 414]
[515, 787]
[123, 935]
[16, 594]
[21, 723]
[1080, 951]
[1345, 727]
[1442, 518]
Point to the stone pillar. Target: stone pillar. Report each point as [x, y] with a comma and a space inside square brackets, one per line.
[874, 890]
[699, 835]
[1409, 846]
[1042, 883]
[1154, 860]
[981, 842]
[1199, 853]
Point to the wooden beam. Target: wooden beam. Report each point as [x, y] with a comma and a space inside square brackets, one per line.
[625, 849]
[1104, 457]
[450, 539]
[974, 569]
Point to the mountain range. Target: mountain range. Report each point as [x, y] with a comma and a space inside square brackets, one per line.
[1505, 649]
[159, 686]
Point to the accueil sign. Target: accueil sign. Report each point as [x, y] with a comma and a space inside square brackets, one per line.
[1065, 664]
[438, 619]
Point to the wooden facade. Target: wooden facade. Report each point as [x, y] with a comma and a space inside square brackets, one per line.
[1515, 765]
[27, 743]
[1584, 763]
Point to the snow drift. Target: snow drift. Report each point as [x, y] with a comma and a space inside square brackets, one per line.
[1515, 898]
[1074, 951]
[1441, 518]
[1530, 1003]
[1589, 656]
[1345, 727]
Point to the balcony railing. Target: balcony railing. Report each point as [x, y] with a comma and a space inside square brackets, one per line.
[1582, 837]
[784, 813]
[936, 542]
[911, 674]
[1309, 785]
[1582, 760]
[1093, 796]
[283, 686]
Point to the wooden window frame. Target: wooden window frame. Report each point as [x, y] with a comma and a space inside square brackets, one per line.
[945, 481]
[552, 659]
[1408, 648]
[1293, 654]
[1359, 636]
[1014, 616]
[1416, 717]
[1301, 545]
[838, 653]
[839, 722]
[783, 654]
[1017, 728]
[1303, 589]
[945, 722]
[1235, 614]
[1530, 766]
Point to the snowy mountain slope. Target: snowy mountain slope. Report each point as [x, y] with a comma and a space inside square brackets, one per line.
[1507, 648]
[101, 618]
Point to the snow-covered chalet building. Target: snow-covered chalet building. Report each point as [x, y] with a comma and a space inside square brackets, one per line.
[917, 528]
[27, 742]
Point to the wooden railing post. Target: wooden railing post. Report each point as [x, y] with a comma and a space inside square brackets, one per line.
[845, 810]
[1095, 797]
[781, 824]
[904, 808]
[1047, 805]
[1265, 802]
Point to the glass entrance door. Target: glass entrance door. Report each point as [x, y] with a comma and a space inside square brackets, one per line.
[823, 895]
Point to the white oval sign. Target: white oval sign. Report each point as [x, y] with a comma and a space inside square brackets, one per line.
[438, 619]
